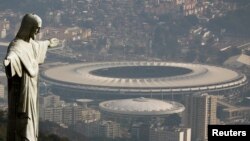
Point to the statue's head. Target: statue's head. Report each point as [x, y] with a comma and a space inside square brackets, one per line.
[30, 26]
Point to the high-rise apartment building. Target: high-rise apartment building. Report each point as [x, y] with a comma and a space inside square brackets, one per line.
[52, 108]
[90, 115]
[140, 131]
[109, 129]
[199, 113]
[104, 128]
[51, 100]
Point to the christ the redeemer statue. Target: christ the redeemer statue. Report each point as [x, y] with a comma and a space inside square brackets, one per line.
[22, 68]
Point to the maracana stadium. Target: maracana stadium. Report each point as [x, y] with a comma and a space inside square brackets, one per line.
[142, 79]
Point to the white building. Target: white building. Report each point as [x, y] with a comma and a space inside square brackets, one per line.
[4, 27]
[3, 33]
[107, 129]
[200, 112]
[55, 110]
[50, 100]
[165, 134]
[71, 114]
[90, 115]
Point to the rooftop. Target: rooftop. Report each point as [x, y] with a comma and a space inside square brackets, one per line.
[109, 76]
[141, 107]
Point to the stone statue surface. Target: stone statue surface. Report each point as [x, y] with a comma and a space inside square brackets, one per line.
[21, 63]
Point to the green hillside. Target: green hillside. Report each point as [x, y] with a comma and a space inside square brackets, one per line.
[235, 22]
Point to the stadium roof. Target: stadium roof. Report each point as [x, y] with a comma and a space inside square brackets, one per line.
[201, 77]
[141, 107]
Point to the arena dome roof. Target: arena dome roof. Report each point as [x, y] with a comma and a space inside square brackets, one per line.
[141, 107]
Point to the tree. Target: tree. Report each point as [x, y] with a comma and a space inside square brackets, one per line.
[3, 126]
[164, 43]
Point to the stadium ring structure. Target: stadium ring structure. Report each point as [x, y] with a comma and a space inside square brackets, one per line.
[143, 78]
[144, 107]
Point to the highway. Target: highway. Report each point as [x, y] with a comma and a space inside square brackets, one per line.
[244, 45]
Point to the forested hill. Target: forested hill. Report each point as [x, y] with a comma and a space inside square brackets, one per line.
[42, 137]
[3, 125]
[235, 22]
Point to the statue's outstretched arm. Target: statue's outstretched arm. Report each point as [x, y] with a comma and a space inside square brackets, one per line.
[53, 42]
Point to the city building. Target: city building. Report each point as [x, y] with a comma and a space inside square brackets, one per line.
[3, 33]
[4, 28]
[104, 128]
[68, 34]
[50, 100]
[109, 129]
[165, 134]
[52, 108]
[67, 114]
[140, 132]
[192, 7]
[231, 114]
[76, 33]
[90, 115]
[199, 113]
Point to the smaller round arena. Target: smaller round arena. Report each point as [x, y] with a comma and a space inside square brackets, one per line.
[140, 107]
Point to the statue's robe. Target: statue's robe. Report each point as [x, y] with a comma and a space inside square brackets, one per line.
[22, 73]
